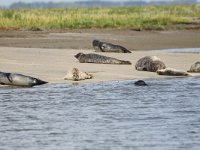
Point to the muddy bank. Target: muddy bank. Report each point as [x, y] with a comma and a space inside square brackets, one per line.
[82, 38]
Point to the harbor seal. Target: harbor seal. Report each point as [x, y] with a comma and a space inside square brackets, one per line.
[149, 63]
[108, 47]
[140, 83]
[15, 79]
[195, 67]
[172, 72]
[75, 74]
[99, 59]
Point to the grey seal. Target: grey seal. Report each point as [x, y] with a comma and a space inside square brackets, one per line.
[99, 59]
[195, 67]
[16, 79]
[75, 74]
[108, 47]
[149, 63]
[172, 72]
[140, 83]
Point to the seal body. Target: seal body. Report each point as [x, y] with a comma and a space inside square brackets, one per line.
[75, 74]
[149, 63]
[140, 83]
[16, 79]
[195, 67]
[99, 59]
[108, 47]
[172, 72]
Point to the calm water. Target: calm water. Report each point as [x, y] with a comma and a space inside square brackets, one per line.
[102, 116]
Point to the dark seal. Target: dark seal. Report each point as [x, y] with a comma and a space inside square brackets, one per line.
[149, 63]
[99, 59]
[16, 79]
[195, 67]
[108, 47]
[140, 83]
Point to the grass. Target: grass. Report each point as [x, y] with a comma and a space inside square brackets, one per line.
[158, 17]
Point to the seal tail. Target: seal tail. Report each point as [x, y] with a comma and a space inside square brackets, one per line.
[40, 82]
[126, 62]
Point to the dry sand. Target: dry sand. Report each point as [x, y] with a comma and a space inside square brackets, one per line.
[51, 63]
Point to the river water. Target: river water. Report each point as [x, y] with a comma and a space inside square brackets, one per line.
[102, 116]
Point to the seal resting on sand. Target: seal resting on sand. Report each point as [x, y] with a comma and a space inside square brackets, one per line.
[195, 67]
[149, 63]
[99, 59]
[75, 74]
[16, 79]
[108, 47]
[172, 72]
[140, 83]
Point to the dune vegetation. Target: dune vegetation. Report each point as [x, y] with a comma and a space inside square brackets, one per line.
[143, 17]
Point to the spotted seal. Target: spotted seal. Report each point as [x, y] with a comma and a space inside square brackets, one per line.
[195, 67]
[75, 74]
[108, 47]
[16, 79]
[99, 59]
[149, 63]
[172, 72]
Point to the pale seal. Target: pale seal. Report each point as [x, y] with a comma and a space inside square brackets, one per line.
[172, 72]
[195, 67]
[99, 59]
[108, 47]
[75, 74]
[16, 79]
[149, 63]
[140, 83]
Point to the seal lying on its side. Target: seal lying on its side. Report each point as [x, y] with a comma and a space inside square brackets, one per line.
[15, 79]
[149, 63]
[108, 47]
[195, 67]
[172, 72]
[99, 59]
[75, 74]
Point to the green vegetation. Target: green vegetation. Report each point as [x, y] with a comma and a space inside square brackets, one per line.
[145, 17]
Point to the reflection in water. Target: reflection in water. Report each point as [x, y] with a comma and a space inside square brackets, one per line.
[112, 115]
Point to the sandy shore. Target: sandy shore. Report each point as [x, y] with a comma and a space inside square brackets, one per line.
[48, 56]
[52, 64]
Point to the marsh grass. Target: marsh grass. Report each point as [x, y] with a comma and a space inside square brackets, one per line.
[144, 17]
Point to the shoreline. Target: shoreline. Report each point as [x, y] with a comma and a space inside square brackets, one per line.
[50, 55]
[51, 65]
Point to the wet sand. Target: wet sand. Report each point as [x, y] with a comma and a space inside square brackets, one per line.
[48, 56]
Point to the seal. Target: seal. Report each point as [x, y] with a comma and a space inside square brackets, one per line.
[75, 74]
[15, 79]
[108, 47]
[195, 68]
[172, 72]
[140, 83]
[149, 63]
[99, 59]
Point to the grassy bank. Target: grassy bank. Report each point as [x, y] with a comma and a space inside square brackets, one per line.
[145, 17]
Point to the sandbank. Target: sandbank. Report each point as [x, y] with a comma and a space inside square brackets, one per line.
[52, 64]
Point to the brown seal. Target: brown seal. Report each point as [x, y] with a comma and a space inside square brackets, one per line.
[75, 74]
[195, 67]
[149, 63]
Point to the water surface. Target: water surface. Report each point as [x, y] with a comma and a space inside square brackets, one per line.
[102, 116]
